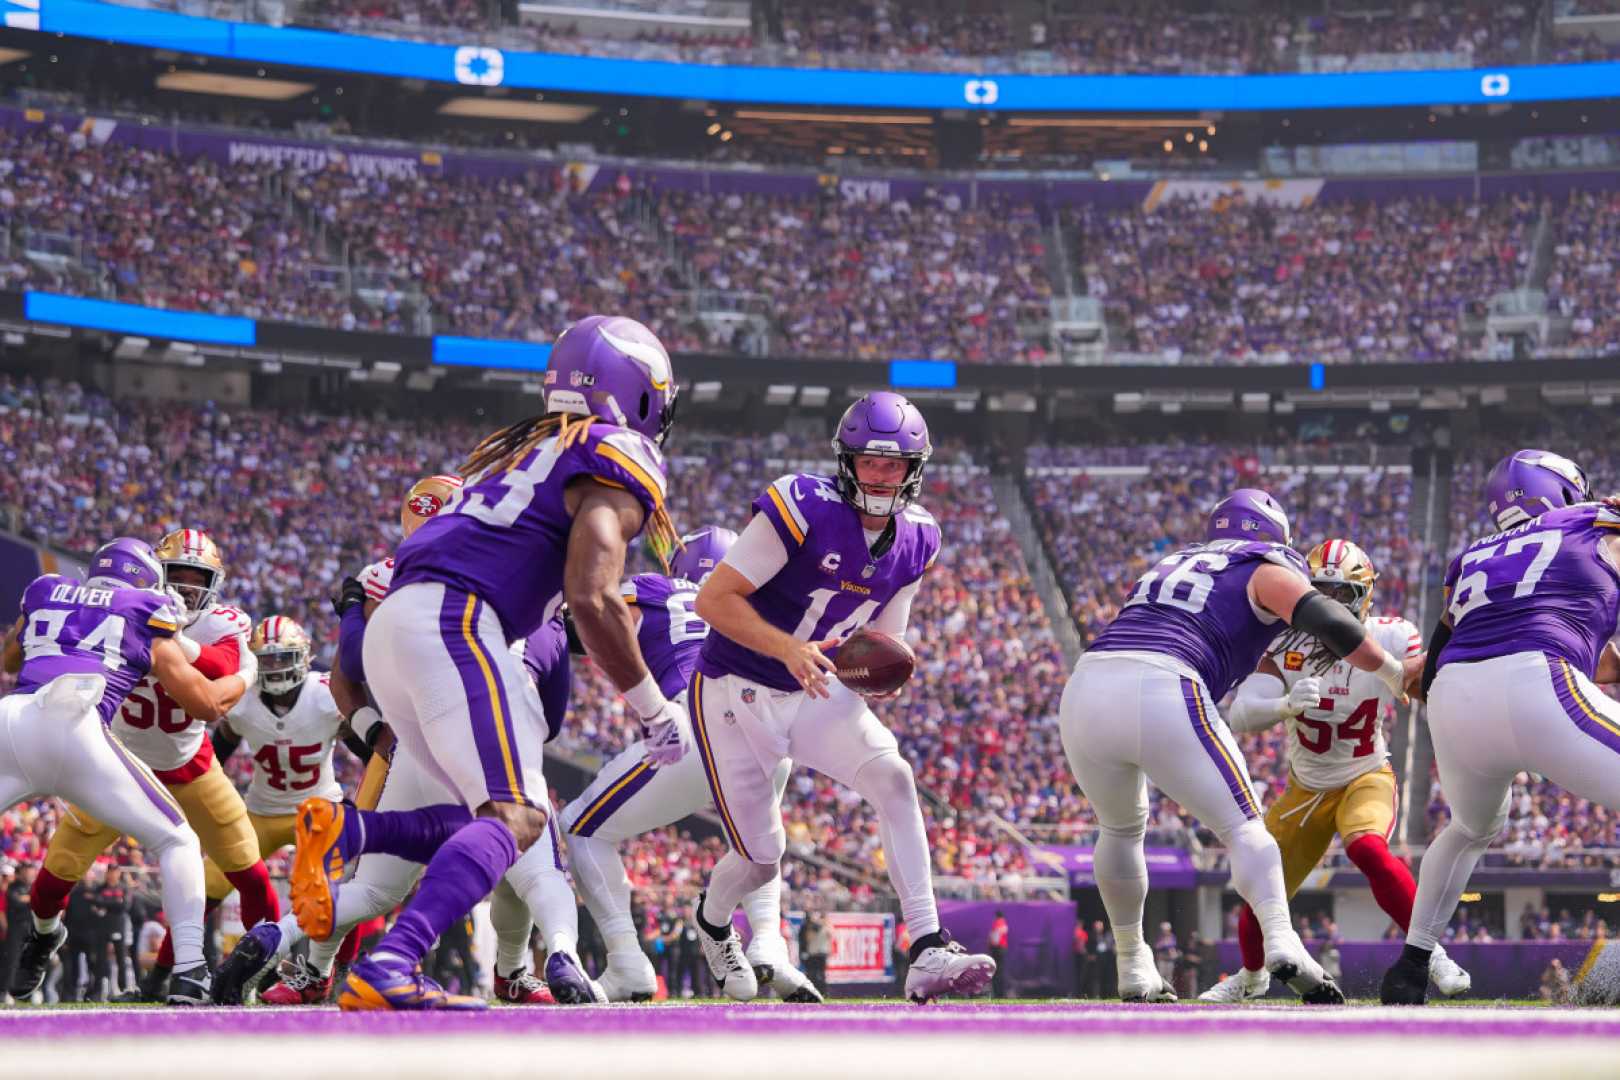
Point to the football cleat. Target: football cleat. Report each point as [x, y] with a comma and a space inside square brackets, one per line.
[34, 961]
[376, 985]
[301, 984]
[1243, 986]
[1287, 960]
[522, 988]
[322, 854]
[948, 969]
[1405, 983]
[732, 972]
[1447, 975]
[790, 984]
[191, 986]
[243, 970]
[1139, 978]
[629, 977]
[569, 984]
[151, 990]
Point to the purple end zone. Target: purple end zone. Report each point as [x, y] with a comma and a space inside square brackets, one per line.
[884, 1020]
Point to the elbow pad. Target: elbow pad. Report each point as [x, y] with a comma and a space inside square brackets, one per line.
[1329, 622]
[1431, 662]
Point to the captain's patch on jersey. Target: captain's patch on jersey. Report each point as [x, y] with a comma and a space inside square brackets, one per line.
[1294, 661]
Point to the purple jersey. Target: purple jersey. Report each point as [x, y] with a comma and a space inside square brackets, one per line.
[832, 585]
[1194, 607]
[670, 634]
[545, 656]
[1544, 586]
[70, 628]
[504, 538]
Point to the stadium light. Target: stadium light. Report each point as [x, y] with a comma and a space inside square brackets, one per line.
[504, 109]
[780, 394]
[207, 82]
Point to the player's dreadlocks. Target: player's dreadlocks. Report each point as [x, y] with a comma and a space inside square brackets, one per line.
[503, 449]
[1319, 659]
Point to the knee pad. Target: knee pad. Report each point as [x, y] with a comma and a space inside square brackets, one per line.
[1251, 835]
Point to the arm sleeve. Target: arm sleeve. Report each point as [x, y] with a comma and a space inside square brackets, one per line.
[351, 636]
[225, 739]
[220, 659]
[1258, 703]
[896, 614]
[1330, 623]
[1437, 645]
[758, 554]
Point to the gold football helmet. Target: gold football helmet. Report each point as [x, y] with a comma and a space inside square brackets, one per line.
[427, 497]
[1341, 571]
[192, 549]
[283, 650]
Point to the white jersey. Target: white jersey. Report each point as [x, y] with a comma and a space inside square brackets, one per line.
[1332, 745]
[292, 753]
[152, 724]
[378, 578]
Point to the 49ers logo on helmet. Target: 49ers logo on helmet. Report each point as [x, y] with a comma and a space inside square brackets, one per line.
[425, 504]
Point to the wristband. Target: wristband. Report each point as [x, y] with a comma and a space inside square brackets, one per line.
[646, 698]
[366, 722]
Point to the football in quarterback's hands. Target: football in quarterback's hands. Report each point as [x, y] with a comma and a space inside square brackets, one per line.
[872, 662]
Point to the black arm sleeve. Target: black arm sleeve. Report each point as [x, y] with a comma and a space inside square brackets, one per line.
[1329, 622]
[359, 747]
[1431, 662]
[225, 740]
[576, 647]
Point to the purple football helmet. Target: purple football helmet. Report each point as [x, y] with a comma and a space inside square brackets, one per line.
[700, 553]
[1528, 483]
[882, 424]
[1249, 514]
[615, 368]
[126, 562]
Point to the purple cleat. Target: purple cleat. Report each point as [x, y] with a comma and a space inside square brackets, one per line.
[568, 982]
[376, 985]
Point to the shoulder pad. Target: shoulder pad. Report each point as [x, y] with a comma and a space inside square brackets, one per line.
[1606, 518]
[164, 618]
[789, 503]
[633, 461]
[377, 578]
[1285, 556]
[222, 622]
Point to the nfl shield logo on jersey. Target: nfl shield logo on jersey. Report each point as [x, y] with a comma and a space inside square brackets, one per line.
[748, 695]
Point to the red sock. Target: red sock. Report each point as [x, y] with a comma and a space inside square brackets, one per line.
[165, 955]
[259, 899]
[49, 896]
[1391, 881]
[1251, 940]
[350, 947]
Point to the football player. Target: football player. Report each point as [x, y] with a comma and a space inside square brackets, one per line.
[631, 795]
[1510, 677]
[1141, 706]
[80, 648]
[821, 557]
[548, 510]
[175, 745]
[1339, 780]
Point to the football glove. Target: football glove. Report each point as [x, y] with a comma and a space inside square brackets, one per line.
[664, 735]
[352, 593]
[1306, 694]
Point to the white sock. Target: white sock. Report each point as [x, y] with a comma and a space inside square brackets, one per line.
[624, 945]
[1257, 875]
[323, 954]
[544, 888]
[732, 877]
[1120, 869]
[763, 907]
[509, 915]
[603, 885]
[1446, 868]
[291, 934]
[184, 889]
[886, 782]
[47, 926]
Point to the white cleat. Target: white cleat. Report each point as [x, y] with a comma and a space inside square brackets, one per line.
[1288, 961]
[732, 972]
[1244, 986]
[948, 969]
[1139, 978]
[786, 981]
[629, 977]
[1447, 975]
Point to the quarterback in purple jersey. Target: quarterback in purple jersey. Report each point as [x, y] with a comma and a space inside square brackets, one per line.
[821, 557]
[78, 649]
[1141, 706]
[547, 510]
[1511, 677]
[632, 795]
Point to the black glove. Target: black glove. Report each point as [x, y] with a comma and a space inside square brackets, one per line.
[351, 594]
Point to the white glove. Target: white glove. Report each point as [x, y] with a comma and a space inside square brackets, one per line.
[1393, 675]
[664, 735]
[1306, 694]
[187, 646]
[247, 665]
